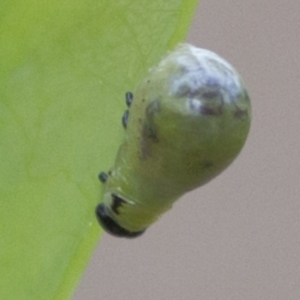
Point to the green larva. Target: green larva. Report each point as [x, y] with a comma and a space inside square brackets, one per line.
[185, 123]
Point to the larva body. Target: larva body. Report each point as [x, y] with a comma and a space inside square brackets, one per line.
[188, 120]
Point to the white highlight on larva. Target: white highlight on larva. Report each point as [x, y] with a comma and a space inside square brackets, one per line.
[199, 66]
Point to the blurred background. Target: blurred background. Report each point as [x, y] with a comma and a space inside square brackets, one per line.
[238, 237]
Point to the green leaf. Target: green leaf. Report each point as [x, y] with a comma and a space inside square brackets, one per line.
[64, 69]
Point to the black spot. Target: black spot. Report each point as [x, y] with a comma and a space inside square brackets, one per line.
[125, 118]
[128, 98]
[111, 226]
[117, 203]
[103, 177]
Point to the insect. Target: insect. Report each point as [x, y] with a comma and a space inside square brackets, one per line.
[184, 124]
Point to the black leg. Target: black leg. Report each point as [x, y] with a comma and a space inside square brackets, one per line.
[129, 98]
[125, 118]
[103, 177]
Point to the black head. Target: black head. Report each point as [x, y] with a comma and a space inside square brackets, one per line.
[111, 226]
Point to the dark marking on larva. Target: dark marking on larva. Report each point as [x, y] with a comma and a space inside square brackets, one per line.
[150, 132]
[240, 113]
[208, 103]
[211, 94]
[149, 129]
[207, 164]
[207, 111]
[117, 203]
[213, 103]
[148, 137]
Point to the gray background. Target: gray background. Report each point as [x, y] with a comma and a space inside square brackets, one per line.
[239, 236]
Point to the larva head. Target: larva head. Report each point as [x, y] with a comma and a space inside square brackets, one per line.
[111, 226]
[188, 120]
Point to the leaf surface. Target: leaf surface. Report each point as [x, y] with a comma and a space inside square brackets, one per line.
[64, 69]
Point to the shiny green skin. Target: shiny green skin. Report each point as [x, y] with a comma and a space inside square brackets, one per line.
[178, 137]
